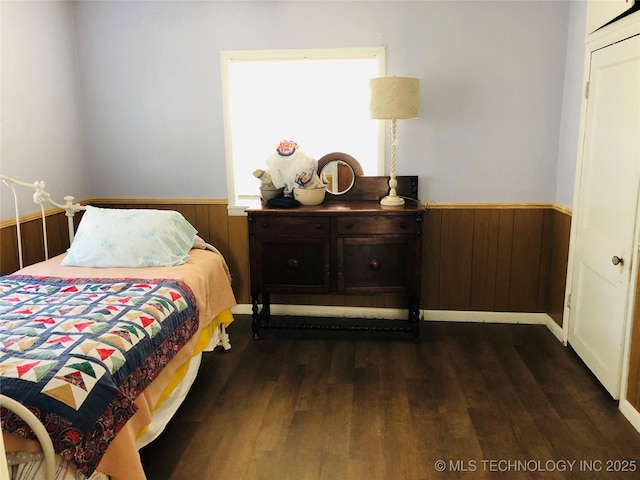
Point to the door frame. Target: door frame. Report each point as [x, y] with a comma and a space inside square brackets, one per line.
[609, 35]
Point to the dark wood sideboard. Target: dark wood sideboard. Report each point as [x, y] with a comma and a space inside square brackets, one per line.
[348, 245]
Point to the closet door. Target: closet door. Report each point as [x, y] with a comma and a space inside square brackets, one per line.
[607, 211]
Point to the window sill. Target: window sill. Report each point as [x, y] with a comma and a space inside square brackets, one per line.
[238, 210]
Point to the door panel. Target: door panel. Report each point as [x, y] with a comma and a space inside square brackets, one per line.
[294, 265]
[606, 211]
[370, 265]
[598, 339]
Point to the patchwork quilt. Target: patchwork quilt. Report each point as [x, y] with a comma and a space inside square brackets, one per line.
[78, 352]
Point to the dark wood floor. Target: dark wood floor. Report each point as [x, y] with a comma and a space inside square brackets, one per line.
[478, 397]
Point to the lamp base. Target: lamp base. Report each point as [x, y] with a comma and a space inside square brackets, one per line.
[392, 201]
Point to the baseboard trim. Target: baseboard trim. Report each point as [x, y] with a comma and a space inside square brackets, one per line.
[475, 316]
[630, 414]
[327, 311]
[556, 329]
[426, 315]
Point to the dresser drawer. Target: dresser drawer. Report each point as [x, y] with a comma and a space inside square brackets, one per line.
[377, 225]
[292, 226]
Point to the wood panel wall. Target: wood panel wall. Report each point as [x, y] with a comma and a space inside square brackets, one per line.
[485, 258]
[633, 385]
[499, 259]
[228, 234]
[32, 240]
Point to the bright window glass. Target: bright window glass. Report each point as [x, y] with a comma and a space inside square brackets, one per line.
[316, 98]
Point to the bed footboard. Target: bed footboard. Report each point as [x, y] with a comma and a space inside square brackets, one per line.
[41, 433]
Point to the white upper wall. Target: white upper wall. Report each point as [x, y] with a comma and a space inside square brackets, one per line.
[491, 75]
[41, 136]
[498, 90]
[571, 102]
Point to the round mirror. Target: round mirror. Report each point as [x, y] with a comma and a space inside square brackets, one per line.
[339, 171]
[339, 177]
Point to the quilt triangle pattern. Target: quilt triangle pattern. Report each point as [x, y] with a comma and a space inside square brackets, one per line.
[80, 326]
[32, 371]
[11, 324]
[149, 323]
[19, 343]
[125, 336]
[73, 382]
[111, 357]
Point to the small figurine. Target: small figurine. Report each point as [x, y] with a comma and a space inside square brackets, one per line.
[309, 179]
[264, 177]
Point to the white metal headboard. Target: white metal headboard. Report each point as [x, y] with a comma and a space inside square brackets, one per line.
[41, 197]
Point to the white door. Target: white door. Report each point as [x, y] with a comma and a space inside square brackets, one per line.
[606, 211]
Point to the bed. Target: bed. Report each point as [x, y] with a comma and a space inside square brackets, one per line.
[102, 342]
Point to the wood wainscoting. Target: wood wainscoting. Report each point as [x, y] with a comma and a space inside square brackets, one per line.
[228, 234]
[496, 258]
[633, 385]
[488, 257]
[32, 239]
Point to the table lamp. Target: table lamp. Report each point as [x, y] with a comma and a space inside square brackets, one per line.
[394, 98]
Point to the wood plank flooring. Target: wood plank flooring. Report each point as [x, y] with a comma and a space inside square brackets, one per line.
[489, 401]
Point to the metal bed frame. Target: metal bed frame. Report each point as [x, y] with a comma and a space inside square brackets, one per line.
[40, 197]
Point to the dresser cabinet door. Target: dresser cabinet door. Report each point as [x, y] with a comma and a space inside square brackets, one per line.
[291, 254]
[294, 265]
[369, 265]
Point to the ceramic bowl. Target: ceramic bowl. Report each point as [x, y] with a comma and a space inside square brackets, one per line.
[309, 196]
[268, 193]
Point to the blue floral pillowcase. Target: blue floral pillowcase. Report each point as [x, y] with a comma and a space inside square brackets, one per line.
[111, 237]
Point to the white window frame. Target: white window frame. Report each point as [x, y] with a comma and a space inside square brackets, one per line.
[234, 207]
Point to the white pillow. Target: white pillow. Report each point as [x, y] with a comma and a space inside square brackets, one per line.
[112, 237]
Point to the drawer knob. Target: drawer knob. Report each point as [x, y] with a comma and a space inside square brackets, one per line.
[265, 224]
[348, 225]
[318, 226]
[293, 263]
[403, 224]
[374, 265]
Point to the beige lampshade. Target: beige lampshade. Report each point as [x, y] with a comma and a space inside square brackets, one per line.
[394, 97]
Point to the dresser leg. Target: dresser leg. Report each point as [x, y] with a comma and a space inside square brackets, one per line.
[414, 317]
[259, 317]
[255, 320]
[266, 307]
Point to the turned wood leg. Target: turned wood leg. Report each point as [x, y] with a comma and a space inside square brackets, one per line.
[266, 306]
[255, 320]
[414, 317]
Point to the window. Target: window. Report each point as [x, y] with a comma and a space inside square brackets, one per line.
[316, 98]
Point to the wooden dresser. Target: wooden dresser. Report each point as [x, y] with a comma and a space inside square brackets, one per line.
[348, 245]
